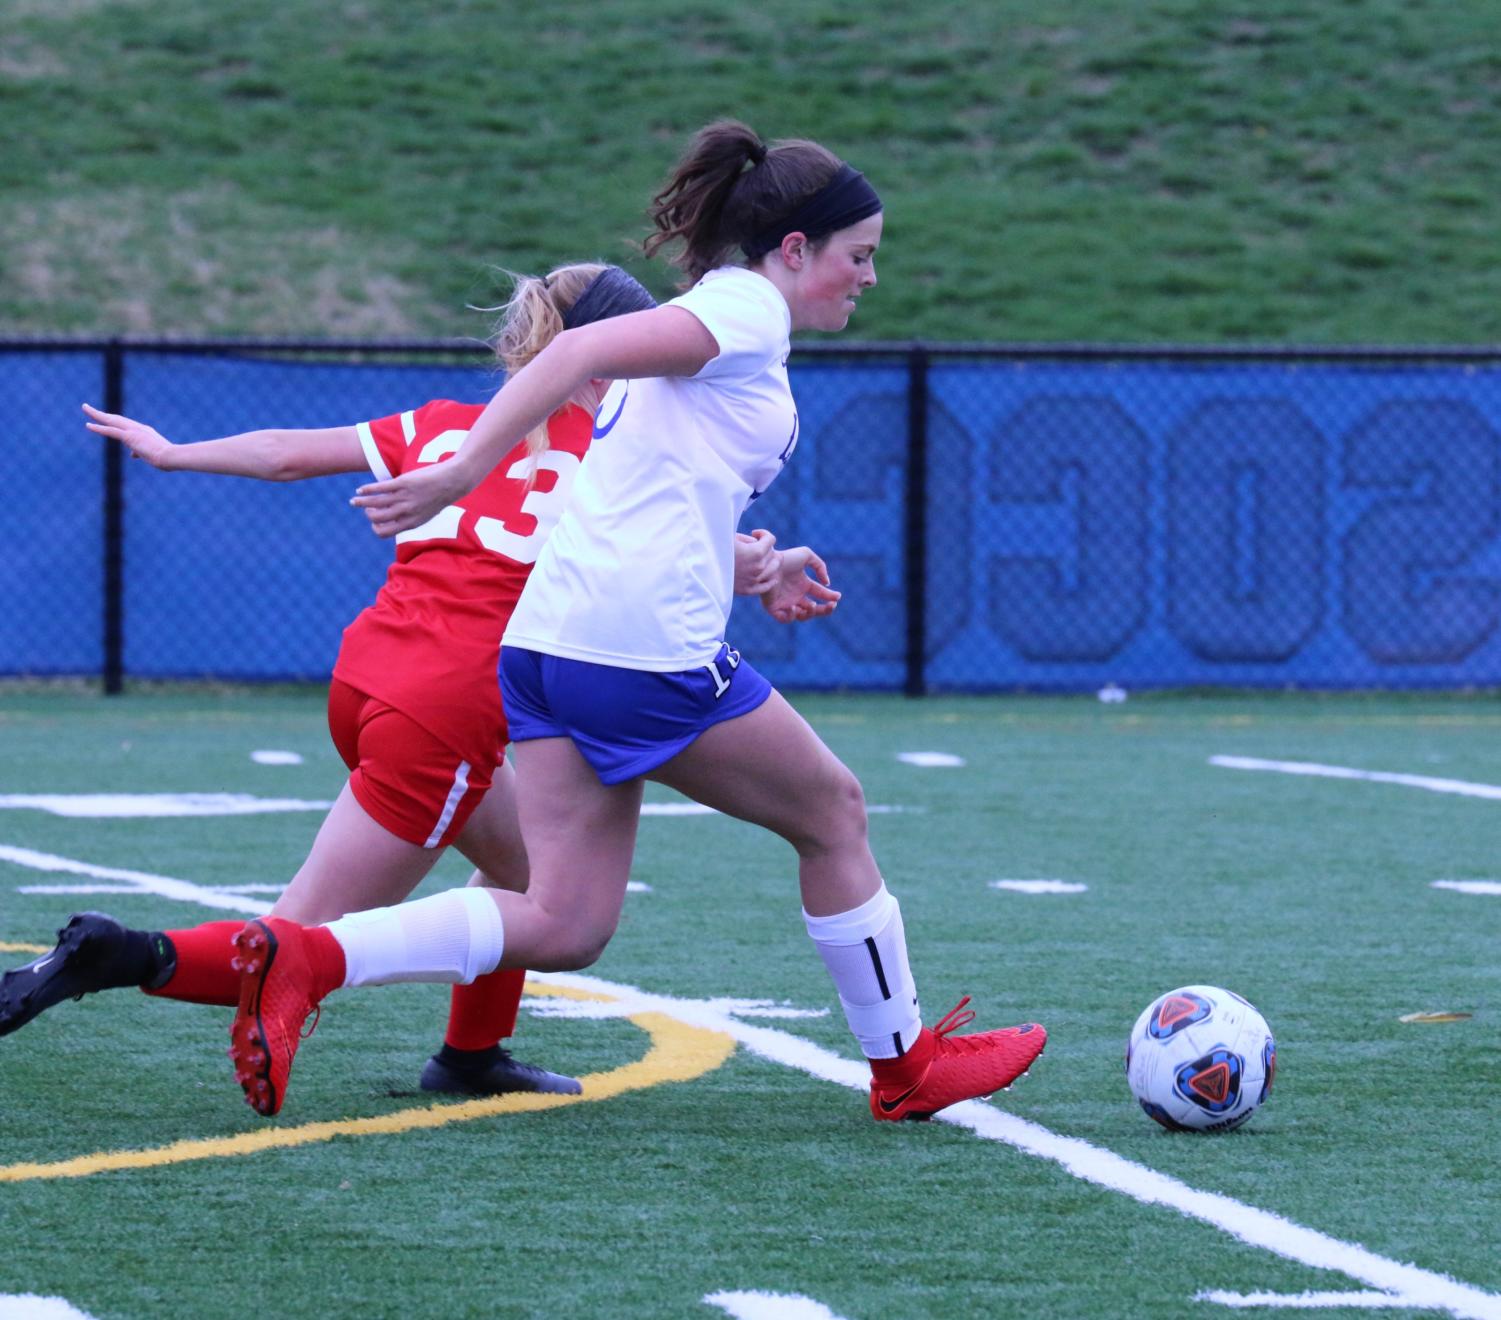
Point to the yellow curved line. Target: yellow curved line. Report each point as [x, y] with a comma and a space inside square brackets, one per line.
[678, 1053]
[6, 947]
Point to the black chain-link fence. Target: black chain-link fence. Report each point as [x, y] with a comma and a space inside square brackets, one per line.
[1047, 517]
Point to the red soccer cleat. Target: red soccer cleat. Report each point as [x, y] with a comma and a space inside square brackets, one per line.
[942, 1069]
[279, 988]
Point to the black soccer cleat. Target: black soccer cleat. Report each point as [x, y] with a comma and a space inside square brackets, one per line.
[92, 953]
[493, 1073]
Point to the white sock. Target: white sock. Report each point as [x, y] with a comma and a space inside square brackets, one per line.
[865, 950]
[453, 936]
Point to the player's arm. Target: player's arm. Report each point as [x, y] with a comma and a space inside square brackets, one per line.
[667, 341]
[272, 455]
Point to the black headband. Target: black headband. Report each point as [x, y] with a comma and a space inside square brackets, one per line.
[610, 293]
[844, 200]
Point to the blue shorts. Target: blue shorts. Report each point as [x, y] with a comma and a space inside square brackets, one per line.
[625, 722]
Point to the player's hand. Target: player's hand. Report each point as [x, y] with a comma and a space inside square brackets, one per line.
[797, 596]
[756, 570]
[143, 441]
[408, 501]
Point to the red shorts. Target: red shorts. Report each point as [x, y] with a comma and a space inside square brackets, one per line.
[407, 781]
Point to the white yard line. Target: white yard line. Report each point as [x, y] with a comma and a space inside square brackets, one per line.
[109, 806]
[1469, 886]
[136, 889]
[1040, 886]
[126, 806]
[141, 882]
[271, 756]
[1460, 786]
[1308, 1301]
[230, 898]
[769, 1306]
[28, 1306]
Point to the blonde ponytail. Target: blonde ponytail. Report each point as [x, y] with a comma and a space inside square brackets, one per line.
[533, 317]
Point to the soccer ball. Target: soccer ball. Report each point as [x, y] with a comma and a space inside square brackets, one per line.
[1200, 1059]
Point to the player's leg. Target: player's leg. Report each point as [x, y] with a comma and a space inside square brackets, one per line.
[579, 836]
[492, 839]
[483, 1013]
[578, 816]
[194, 963]
[359, 859]
[768, 766]
[354, 863]
[373, 847]
[417, 787]
[415, 797]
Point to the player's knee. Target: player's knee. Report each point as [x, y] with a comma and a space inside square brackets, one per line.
[570, 958]
[835, 814]
[842, 813]
[574, 946]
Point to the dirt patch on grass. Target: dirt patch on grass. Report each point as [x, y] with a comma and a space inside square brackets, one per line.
[63, 9]
[207, 261]
[23, 60]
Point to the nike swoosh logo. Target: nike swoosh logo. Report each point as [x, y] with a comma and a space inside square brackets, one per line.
[891, 1106]
[37, 966]
[601, 431]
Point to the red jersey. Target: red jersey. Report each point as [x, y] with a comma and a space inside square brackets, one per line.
[430, 644]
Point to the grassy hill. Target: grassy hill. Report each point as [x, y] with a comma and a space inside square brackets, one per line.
[1304, 170]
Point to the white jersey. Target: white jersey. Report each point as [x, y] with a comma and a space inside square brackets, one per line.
[639, 572]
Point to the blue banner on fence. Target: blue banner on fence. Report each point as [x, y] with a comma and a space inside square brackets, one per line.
[1160, 524]
[1147, 523]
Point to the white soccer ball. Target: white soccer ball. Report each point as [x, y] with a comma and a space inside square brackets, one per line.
[1201, 1059]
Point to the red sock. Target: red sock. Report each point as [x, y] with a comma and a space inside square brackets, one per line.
[906, 1067]
[203, 974]
[483, 1013]
[327, 957]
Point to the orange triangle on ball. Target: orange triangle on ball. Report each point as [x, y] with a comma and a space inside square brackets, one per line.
[1213, 1083]
[1174, 1009]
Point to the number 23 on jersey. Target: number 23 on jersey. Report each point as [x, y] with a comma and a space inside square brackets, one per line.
[545, 506]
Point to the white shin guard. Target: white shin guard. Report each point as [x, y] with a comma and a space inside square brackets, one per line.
[865, 950]
[452, 937]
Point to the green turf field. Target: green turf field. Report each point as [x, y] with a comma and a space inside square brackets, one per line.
[719, 1153]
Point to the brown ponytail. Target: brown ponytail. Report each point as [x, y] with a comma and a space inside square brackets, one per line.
[728, 187]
